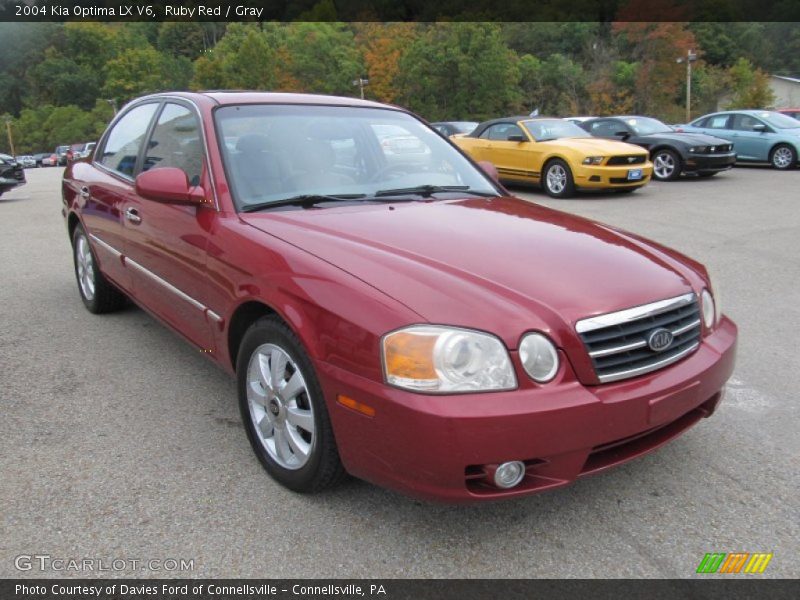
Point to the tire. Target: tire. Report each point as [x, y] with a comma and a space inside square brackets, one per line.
[282, 427]
[783, 157]
[667, 165]
[557, 179]
[98, 294]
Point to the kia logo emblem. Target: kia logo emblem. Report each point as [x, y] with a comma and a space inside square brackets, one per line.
[659, 339]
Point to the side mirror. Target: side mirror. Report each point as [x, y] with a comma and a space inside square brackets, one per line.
[170, 185]
[623, 135]
[489, 169]
[517, 137]
[760, 128]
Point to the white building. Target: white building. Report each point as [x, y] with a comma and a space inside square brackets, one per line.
[786, 90]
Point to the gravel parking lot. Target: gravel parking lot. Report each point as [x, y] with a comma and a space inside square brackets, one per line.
[118, 440]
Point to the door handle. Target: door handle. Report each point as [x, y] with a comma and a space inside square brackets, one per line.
[133, 215]
[84, 192]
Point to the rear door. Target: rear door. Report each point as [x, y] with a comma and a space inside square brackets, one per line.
[166, 243]
[108, 187]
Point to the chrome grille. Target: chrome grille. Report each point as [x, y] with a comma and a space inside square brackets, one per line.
[618, 345]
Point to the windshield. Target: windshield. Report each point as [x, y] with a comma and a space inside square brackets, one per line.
[553, 129]
[464, 126]
[778, 120]
[274, 152]
[646, 125]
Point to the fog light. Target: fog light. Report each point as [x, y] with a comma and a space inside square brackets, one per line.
[509, 474]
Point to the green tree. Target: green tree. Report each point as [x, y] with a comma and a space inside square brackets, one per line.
[179, 38]
[321, 58]
[459, 70]
[243, 59]
[749, 86]
[60, 80]
[143, 70]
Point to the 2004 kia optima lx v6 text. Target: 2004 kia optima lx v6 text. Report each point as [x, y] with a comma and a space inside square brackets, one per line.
[395, 315]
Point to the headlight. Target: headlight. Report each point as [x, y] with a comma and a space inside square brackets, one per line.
[712, 311]
[435, 359]
[593, 160]
[539, 357]
[699, 149]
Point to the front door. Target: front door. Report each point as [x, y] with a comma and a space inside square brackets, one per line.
[166, 243]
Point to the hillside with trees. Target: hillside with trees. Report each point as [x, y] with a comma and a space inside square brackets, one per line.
[61, 83]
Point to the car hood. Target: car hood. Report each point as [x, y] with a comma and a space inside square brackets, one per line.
[502, 265]
[691, 139]
[592, 146]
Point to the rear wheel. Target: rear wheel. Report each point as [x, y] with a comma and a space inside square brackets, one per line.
[783, 157]
[558, 181]
[666, 165]
[98, 294]
[283, 409]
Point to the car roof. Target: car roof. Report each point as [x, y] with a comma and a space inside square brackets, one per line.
[233, 97]
[486, 124]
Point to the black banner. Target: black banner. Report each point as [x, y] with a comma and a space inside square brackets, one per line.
[741, 587]
[399, 10]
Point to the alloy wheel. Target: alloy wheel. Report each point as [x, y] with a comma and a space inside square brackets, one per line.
[85, 263]
[782, 157]
[280, 408]
[664, 165]
[556, 179]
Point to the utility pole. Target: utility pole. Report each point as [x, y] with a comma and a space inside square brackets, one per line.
[113, 103]
[10, 137]
[361, 82]
[690, 58]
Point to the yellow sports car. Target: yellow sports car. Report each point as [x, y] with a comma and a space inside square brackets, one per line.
[557, 154]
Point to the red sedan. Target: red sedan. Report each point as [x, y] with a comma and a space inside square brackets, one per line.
[394, 315]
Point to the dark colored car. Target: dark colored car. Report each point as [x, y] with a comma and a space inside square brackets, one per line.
[11, 173]
[410, 323]
[41, 157]
[672, 153]
[449, 128]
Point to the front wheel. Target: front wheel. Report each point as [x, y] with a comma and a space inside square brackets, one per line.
[666, 165]
[283, 409]
[558, 181]
[783, 157]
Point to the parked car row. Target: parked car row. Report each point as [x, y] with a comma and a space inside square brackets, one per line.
[387, 308]
[560, 156]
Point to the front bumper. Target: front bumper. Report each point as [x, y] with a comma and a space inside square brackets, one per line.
[437, 447]
[611, 177]
[709, 163]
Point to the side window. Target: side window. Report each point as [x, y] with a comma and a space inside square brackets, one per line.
[717, 122]
[125, 140]
[743, 122]
[501, 131]
[176, 142]
[606, 128]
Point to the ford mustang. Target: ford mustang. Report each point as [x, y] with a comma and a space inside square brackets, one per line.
[556, 154]
[406, 321]
[672, 153]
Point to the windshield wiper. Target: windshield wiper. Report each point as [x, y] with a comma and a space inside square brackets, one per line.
[303, 200]
[426, 191]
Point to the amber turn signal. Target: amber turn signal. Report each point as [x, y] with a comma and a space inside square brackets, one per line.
[355, 405]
